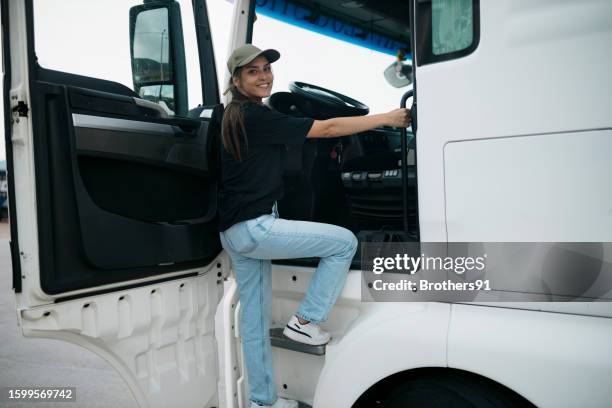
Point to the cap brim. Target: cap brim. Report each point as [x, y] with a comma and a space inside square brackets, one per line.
[270, 54]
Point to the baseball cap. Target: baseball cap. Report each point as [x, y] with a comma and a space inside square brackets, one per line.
[247, 53]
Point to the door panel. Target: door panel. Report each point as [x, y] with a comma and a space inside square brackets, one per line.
[113, 188]
[118, 248]
[127, 193]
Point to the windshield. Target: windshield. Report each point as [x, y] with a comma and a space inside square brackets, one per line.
[318, 59]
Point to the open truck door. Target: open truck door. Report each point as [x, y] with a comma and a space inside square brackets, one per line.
[113, 193]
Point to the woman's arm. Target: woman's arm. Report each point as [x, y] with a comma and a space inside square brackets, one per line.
[337, 127]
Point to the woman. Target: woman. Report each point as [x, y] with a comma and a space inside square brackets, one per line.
[251, 230]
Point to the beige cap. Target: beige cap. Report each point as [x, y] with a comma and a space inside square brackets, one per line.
[247, 53]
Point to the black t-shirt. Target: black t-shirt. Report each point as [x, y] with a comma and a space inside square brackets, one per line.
[250, 187]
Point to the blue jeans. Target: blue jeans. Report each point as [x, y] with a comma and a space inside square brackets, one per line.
[251, 245]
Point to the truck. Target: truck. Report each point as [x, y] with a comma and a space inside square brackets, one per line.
[113, 174]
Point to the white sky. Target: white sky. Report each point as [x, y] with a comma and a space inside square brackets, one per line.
[337, 65]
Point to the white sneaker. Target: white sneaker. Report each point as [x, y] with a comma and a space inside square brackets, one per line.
[309, 333]
[280, 403]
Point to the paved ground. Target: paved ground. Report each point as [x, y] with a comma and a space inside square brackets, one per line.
[39, 362]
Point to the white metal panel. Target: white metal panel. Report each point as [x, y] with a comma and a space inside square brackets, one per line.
[23, 162]
[552, 359]
[225, 321]
[239, 27]
[160, 338]
[546, 188]
[386, 339]
[540, 67]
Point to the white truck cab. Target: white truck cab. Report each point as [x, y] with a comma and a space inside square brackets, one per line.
[113, 177]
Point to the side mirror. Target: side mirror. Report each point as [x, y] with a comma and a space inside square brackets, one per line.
[158, 54]
[399, 74]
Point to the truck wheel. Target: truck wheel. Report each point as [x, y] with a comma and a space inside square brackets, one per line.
[451, 392]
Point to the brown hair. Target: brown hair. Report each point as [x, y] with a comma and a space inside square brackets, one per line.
[232, 127]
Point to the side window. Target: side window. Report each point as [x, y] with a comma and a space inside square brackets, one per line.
[151, 63]
[94, 39]
[446, 29]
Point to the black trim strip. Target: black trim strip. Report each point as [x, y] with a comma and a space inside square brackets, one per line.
[414, 117]
[251, 22]
[208, 70]
[121, 288]
[6, 57]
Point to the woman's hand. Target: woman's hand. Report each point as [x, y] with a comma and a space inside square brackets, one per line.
[399, 118]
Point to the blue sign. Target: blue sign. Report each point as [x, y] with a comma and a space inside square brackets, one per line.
[311, 19]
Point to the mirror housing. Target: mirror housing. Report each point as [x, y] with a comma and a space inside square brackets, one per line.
[399, 74]
[157, 54]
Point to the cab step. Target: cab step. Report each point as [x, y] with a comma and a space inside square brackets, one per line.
[278, 339]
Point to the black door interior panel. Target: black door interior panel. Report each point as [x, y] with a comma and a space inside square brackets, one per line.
[144, 192]
[123, 193]
[80, 81]
[153, 143]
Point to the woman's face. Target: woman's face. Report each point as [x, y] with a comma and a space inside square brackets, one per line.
[255, 79]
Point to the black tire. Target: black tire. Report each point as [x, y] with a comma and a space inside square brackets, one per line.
[451, 391]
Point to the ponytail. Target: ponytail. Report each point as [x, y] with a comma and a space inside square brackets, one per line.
[232, 127]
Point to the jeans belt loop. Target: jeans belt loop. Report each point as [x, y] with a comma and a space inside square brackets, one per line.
[275, 210]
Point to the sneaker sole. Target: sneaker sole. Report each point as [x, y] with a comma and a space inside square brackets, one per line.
[301, 338]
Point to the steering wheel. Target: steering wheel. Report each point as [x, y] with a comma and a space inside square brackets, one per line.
[333, 103]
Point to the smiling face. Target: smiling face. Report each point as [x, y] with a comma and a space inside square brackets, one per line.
[255, 79]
